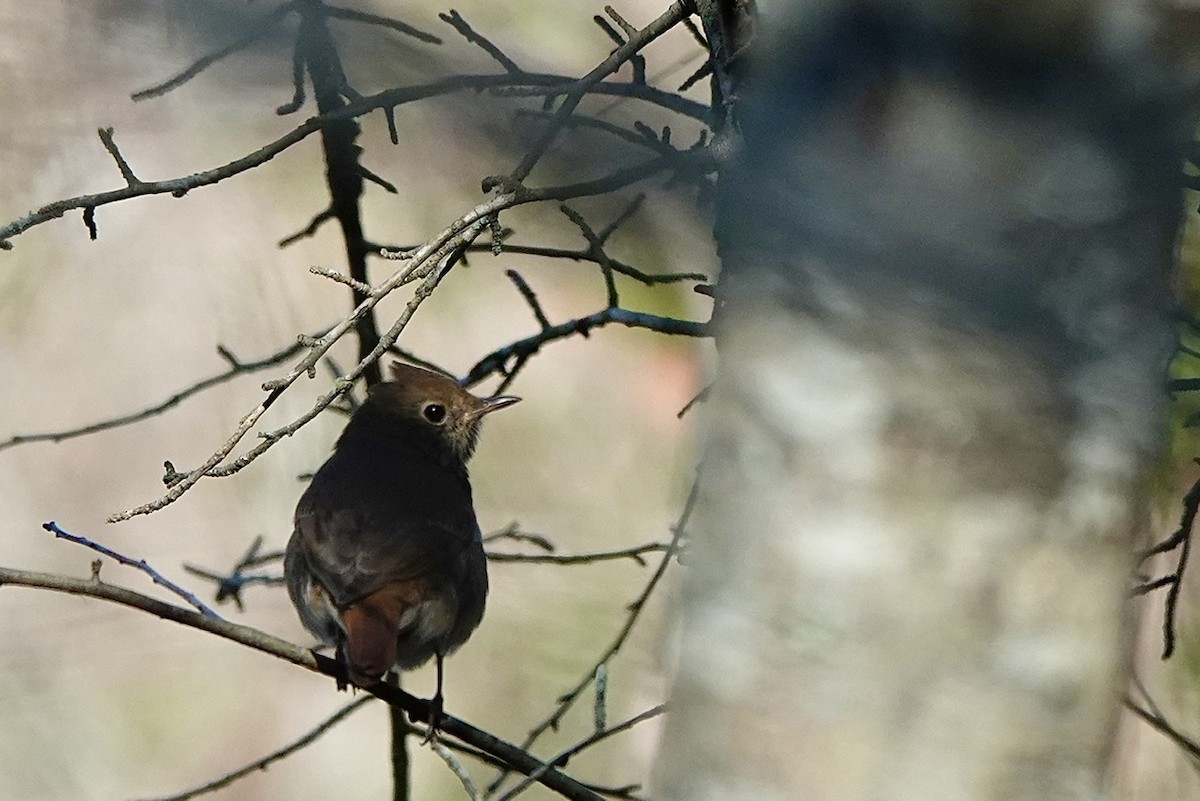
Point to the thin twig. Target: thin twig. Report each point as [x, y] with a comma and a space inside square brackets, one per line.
[513, 532]
[635, 553]
[257, 31]
[178, 187]
[593, 122]
[457, 769]
[384, 22]
[596, 246]
[319, 219]
[567, 700]
[667, 20]
[140, 564]
[454, 19]
[561, 757]
[530, 298]
[496, 361]
[341, 278]
[236, 368]
[264, 763]
[605, 233]
[1160, 724]
[648, 279]
[110, 144]
[1181, 539]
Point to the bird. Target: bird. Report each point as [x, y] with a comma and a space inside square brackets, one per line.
[386, 561]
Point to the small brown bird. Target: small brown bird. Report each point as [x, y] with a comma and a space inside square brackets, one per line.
[386, 558]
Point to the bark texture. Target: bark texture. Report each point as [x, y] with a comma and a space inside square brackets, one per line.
[946, 240]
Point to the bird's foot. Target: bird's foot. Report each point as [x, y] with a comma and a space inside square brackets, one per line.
[434, 713]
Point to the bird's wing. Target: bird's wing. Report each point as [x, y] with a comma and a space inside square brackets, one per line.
[359, 536]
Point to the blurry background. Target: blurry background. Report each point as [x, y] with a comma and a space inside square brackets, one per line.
[101, 702]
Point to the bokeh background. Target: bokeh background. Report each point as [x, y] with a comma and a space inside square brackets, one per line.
[101, 702]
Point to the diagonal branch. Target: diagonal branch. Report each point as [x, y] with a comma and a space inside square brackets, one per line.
[257, 31]
[262, 764]
[383, 22]
[567, 700]
[455, 20]
[417, 708]
[496, 361]
[140, 564]
[667, 20]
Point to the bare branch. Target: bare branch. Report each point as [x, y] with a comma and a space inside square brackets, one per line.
[236, 368]
[530, 297]
[417, 708]
[649, 279]
[567, 700]
[229, 587]
[631, 209]
[454, 19]
[513, 532]
[596, 247]
[495, 361]
[595, 123]
[635, 553]
[257, 31]
[140, 564]
[264, 763]
[110, 144]
[667, 20]
[385, 22]
[319, 219]
[377, 179]
[457, 769]
[1181, 538]
[178, 187]
[341, 278]
[1160, 724]
[562, 756]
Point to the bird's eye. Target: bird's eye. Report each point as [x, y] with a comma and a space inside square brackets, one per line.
[434, 413]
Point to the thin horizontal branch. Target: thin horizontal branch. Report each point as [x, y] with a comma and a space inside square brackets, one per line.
[384, 22]
[178, 187]
[635, 553]
[237, 368]
[585, 121]
[649, 279]
[417, 708]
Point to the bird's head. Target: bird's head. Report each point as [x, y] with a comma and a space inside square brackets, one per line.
[430, 402]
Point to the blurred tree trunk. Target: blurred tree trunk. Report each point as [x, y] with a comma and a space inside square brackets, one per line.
[946, 235]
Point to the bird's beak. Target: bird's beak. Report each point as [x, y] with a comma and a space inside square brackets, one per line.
[494, 403]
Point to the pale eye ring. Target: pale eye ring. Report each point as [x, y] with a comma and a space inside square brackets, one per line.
[434, 412]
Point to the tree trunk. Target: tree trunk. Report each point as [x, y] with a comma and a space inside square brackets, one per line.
[946, 239]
